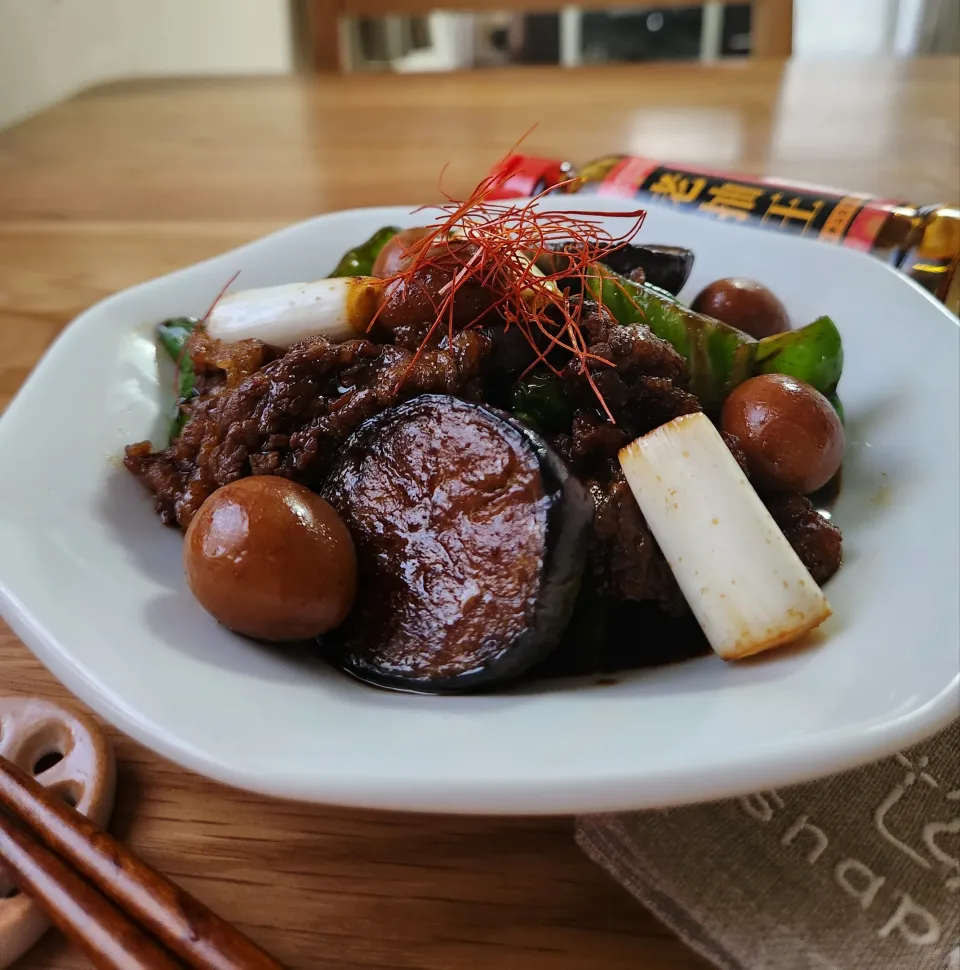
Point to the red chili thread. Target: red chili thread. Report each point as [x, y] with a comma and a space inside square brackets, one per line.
[496, 246]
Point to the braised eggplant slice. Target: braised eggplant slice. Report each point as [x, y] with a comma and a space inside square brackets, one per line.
[666, 267]
[471, 537]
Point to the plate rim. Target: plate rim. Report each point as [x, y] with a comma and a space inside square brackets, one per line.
[789, 762]
[786, 764]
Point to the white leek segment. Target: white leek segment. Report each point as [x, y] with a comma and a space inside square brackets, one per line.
[338, 309]
[534, 293]
[746, 586]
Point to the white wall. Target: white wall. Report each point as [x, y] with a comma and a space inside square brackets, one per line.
[50, 49]
[838, 28]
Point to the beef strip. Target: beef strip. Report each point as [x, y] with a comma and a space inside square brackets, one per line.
[412, 305]
[625, 561]
[219, 366]
[644, 382]
[289, 417]
[626, 564]
[643, 389]
[264, 412]
[816, 540]
[733, 444]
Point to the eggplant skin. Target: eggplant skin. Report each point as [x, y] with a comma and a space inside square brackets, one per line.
[666, 267]
[472, 537]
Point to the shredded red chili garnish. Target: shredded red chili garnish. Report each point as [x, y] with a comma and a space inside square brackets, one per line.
[496, 245]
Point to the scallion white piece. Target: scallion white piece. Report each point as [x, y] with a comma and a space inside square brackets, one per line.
[746, 586]
[338, 309]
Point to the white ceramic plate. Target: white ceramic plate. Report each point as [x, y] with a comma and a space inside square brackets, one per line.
[93, 584]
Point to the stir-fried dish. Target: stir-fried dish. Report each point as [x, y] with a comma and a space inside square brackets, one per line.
[498, 445]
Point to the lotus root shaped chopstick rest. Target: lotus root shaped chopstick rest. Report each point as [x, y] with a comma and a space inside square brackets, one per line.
[69, 754]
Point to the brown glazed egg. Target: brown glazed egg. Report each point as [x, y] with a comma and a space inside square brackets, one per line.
[789, 432]
[395, 254]
[271, 559]
[745, 304]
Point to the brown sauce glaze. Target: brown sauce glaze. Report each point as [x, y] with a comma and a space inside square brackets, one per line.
[450, 513]
[271, 560]
[606, 636]
[418, 301]
[790, 433]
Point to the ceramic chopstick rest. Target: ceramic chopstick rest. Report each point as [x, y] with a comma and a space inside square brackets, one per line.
[69, 754]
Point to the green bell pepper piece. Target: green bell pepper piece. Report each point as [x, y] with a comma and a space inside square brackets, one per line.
[541, 401]
[813, 354]
[359, 260]
[173, 335]
[837, 406]
[529, 420]
[719, 357]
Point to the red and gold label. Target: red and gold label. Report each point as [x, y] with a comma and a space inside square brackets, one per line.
[923, 243]
[854, 220]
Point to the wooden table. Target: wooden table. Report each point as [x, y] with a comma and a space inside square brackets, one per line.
[132, 180]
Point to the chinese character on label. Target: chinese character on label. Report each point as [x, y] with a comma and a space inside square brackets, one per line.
[791, 212]
[732, 200]
[837, 223]
[678, 188]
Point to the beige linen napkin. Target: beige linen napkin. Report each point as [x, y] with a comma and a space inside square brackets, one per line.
[860, 871]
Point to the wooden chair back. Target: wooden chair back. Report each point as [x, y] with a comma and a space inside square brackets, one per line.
[772, 20]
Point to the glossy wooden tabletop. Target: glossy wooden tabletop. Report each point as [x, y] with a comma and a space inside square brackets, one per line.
[132, 180]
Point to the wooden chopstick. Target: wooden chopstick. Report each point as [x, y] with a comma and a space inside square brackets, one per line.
[183, 924]
[95, 925]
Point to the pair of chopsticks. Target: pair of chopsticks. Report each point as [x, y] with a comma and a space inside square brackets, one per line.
[120, 912]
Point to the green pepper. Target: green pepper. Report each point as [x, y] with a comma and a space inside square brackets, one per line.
[664, 295]
[718, 357]
[813, 354]
[837, 406]
[359, 260]
[173, 335]
[541, 401]
[529, 420]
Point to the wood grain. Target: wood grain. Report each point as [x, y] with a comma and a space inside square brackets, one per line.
[135, 179]
[280, 149]
[136, 906]
[96, 926]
